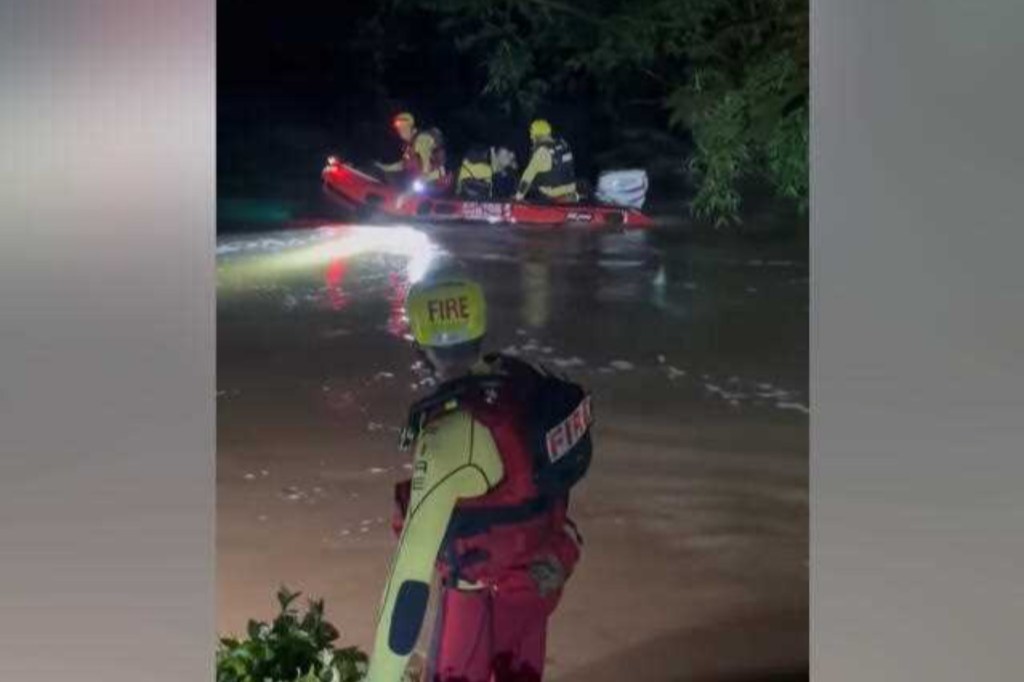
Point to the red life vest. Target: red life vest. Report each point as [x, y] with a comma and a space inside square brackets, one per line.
[516, 521]
[411, 161]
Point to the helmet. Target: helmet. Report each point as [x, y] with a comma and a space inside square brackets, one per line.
[446, 310]
[404, 118]
[540, 128]
[504, 158]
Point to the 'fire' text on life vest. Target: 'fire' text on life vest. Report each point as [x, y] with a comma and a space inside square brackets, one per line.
[564, 436]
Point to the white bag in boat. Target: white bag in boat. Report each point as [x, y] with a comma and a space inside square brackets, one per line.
[622, 187]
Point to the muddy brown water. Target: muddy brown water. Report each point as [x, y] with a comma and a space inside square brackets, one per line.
[695, 513]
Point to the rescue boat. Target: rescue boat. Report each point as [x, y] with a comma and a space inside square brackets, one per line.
[365, 193]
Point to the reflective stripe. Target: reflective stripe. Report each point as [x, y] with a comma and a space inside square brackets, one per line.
[558, 192]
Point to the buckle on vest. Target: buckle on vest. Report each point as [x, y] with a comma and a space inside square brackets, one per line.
[466, 586]
[406, 438]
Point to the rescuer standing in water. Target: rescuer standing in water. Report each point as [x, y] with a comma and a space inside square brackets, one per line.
[496, 449]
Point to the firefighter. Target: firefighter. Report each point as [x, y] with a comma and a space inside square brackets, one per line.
[422, 164]
[484, 173]
[550, 176]
[476, 509]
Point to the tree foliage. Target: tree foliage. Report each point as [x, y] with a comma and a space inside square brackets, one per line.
[731, 73]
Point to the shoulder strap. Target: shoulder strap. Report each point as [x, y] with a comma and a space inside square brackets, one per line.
[447, 397]
[518, 365]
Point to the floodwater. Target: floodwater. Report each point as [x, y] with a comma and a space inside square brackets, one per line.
[696, 508]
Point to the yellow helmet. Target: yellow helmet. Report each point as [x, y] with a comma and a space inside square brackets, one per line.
[540, 128]
[446, 312]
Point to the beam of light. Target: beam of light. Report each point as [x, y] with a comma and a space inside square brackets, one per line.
[351, 241]
[417, 266]
[404, 241]
[336, 243]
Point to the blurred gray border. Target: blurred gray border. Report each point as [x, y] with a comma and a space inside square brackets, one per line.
[917, 545]
[107, 341]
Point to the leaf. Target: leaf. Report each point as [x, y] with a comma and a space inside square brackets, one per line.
[254, 629]
[680, 104]
[228, 642]
[307, 677]
[285, 598]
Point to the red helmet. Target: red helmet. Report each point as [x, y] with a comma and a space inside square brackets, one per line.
[404, 118]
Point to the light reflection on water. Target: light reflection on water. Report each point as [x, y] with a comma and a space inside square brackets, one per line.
[327, 253]
[337, 266]
[588, 286]
[573, 295]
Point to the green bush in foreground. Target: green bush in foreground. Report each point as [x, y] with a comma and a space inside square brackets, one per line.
[293, 648]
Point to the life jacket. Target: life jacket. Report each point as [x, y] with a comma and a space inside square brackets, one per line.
[411, 160]
[476, 175]
[563, 169]
[541, 425]
[478, 156]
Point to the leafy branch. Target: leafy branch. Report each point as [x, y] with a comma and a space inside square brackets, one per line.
[294, 647]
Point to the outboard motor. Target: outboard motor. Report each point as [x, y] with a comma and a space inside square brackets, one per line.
[626, 188]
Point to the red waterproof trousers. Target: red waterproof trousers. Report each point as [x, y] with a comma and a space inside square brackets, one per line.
[490, 635]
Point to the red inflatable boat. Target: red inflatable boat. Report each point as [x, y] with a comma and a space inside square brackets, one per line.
[359, 190]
